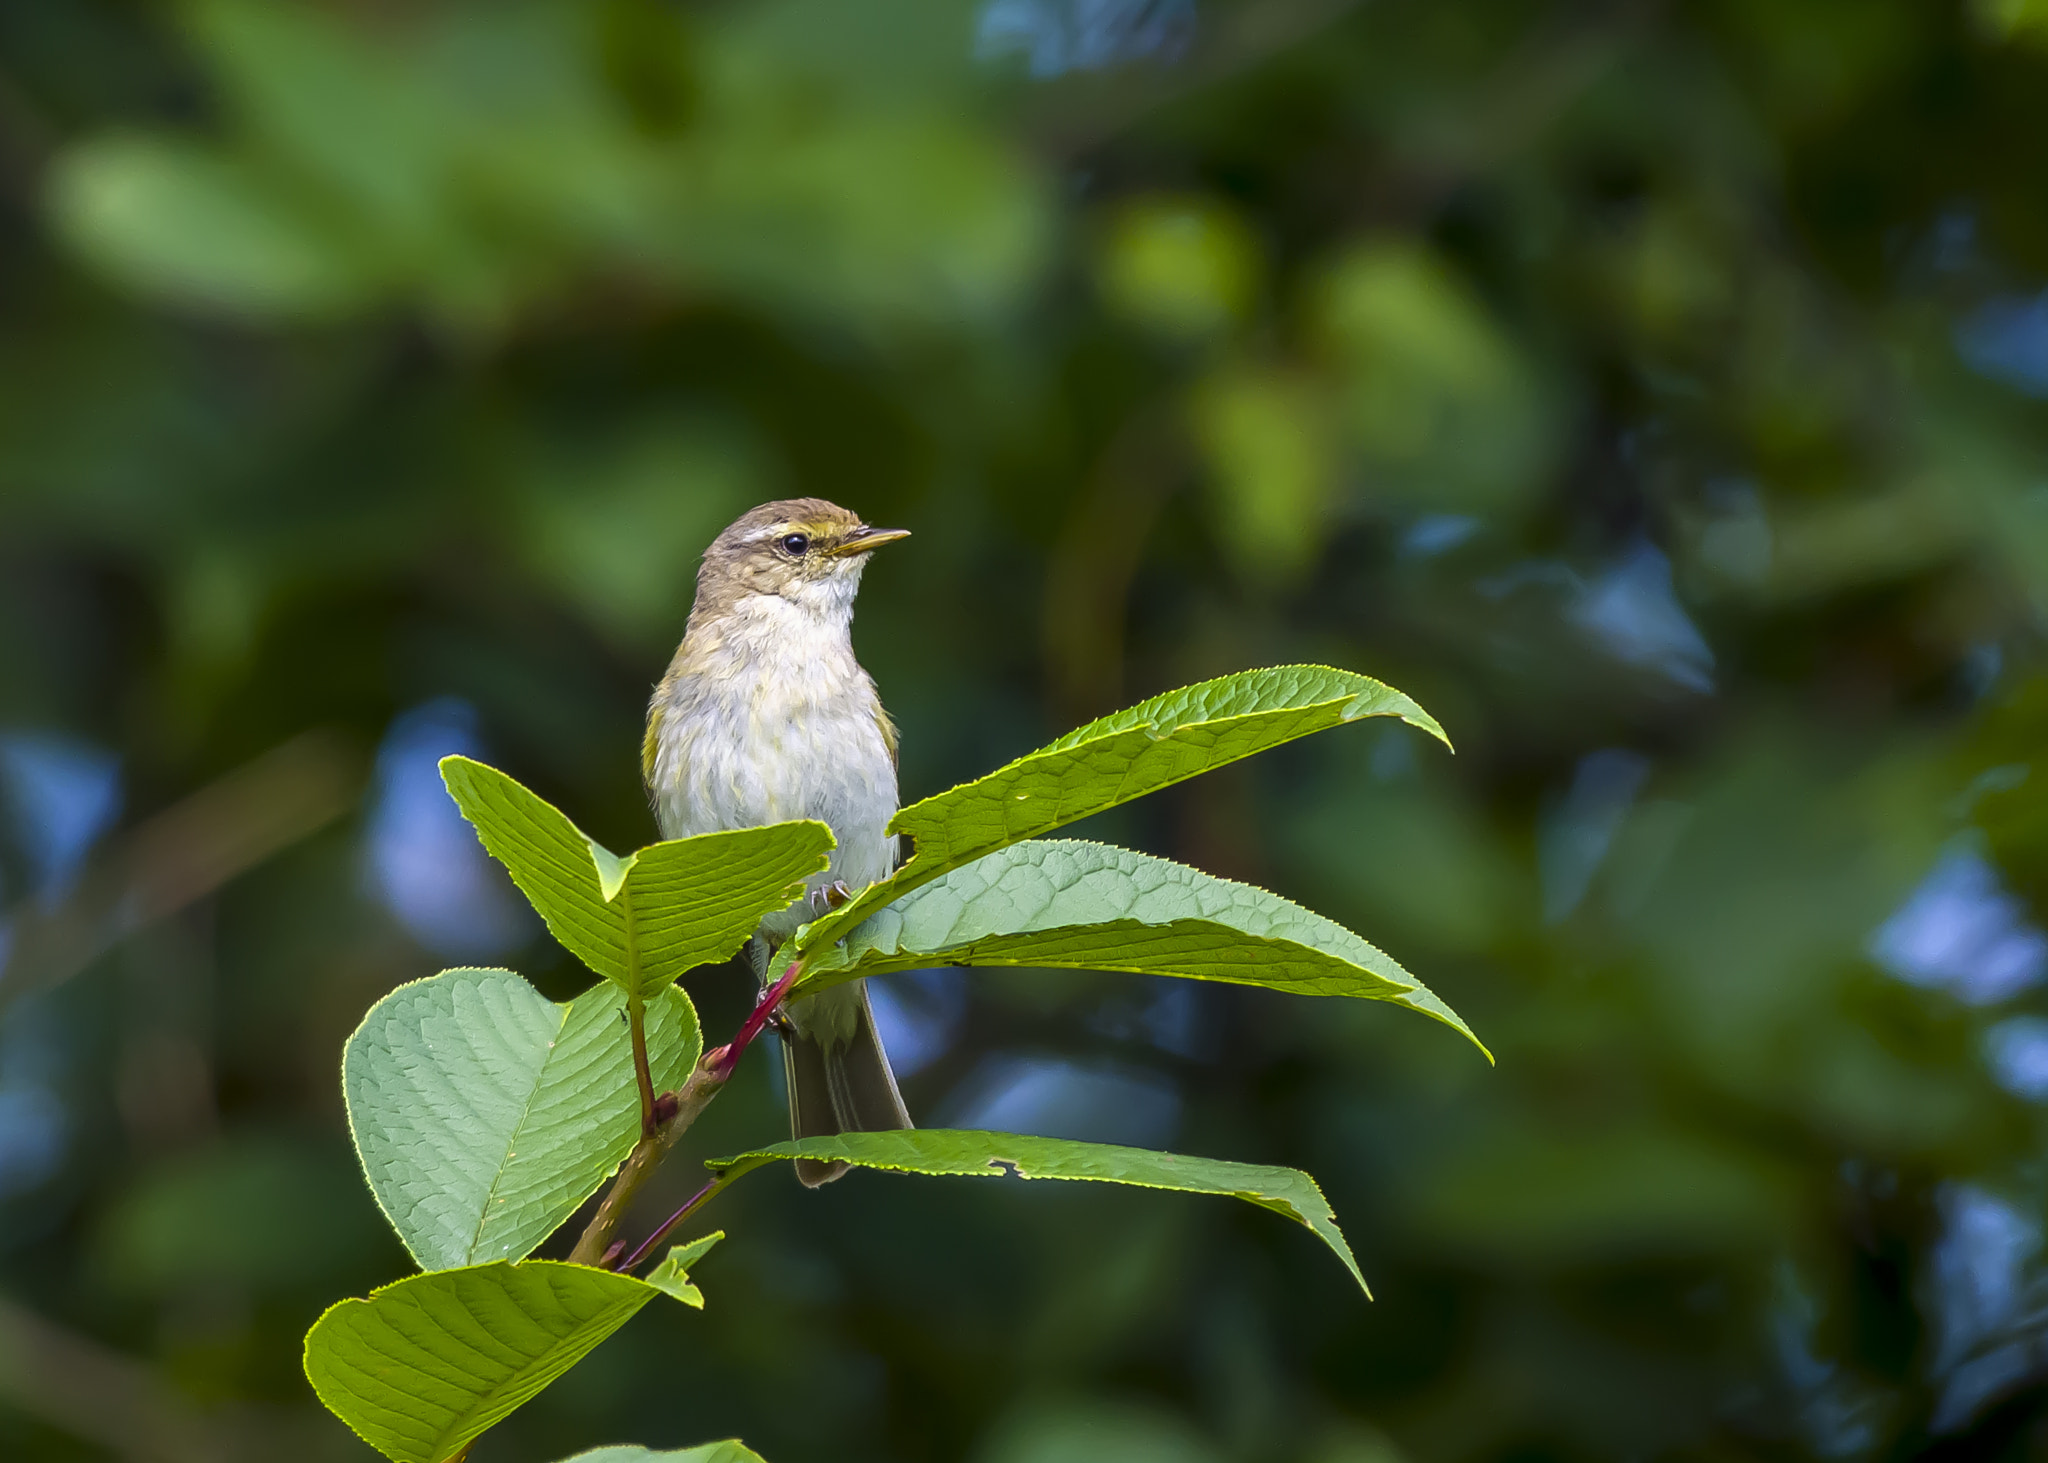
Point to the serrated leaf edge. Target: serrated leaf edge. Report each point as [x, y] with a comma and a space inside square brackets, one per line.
[999, 1167]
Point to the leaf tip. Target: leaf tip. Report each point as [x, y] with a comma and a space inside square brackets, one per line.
[1380, 699]
[611, 869]
[1422, 721]
[1435, 1007]
[672, 1275]
[454, 765]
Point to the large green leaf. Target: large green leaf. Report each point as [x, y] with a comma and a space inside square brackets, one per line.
[644, 919]
[484, 1113]
[1123, 756]
[426, 1364]
[964, 1153]
[1055, 902]
[732, 1450]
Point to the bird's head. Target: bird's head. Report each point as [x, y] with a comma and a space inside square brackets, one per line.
[804, 550]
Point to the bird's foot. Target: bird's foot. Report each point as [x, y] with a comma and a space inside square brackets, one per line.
[830, 897]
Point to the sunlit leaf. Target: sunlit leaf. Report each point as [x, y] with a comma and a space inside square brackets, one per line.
[732, 1450]
[1089, 906]
[484, 1113]
[967, 1154]
[672, 1275]
[1123, 756]
[650, 916]
[426, 1364]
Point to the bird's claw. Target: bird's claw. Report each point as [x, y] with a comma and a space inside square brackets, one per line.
[830, 897]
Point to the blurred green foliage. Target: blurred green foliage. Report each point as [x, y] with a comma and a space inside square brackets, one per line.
[1653, 390]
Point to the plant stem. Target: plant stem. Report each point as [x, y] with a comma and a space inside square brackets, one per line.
[662, 1125]
[694, 1095]
[729, 1055]
[636, 1012]
[662, 1231]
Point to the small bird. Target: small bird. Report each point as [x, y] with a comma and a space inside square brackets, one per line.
[764, 716]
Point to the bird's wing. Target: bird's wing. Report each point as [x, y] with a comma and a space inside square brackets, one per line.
[650, 745]
[888, 730]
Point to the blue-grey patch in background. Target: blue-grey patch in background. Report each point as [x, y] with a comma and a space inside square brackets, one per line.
[63, 794]
[1436, 533]
[35, 1125]
[1050, 1097]
[424, 861]
[1960, 931]
[1168, 1016]
[1577, 834]
[1631, 609]
[1058, 36]
[2006, 340]
[1987, 1305]
[2017, 1053]
[1836, 1414]
[917, 1015]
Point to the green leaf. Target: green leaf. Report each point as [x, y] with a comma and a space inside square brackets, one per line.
[484, 1113]
[672, 1275]
[961, 1153]
[1089, 906]
[426, 1364]
[1152, 745]
[644, 919]
[732, 1450]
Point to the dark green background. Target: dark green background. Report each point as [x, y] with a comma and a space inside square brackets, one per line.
[1653, 390]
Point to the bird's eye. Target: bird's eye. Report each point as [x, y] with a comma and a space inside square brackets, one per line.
[794, 545]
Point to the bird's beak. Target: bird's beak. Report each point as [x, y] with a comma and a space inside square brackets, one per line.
[868, 538]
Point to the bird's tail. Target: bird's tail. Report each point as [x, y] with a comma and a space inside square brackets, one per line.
[839, 1084]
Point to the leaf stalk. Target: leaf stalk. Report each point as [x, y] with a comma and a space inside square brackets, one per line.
[667, 1227]
[636, 1022]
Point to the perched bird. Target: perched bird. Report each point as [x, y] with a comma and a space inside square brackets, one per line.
[764, 716]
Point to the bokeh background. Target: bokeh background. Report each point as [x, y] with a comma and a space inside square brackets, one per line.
[1653, 388]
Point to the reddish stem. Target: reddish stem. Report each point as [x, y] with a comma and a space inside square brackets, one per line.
[667, 1226]
[729, 1056]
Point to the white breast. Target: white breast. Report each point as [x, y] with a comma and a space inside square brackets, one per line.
[776, 720]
